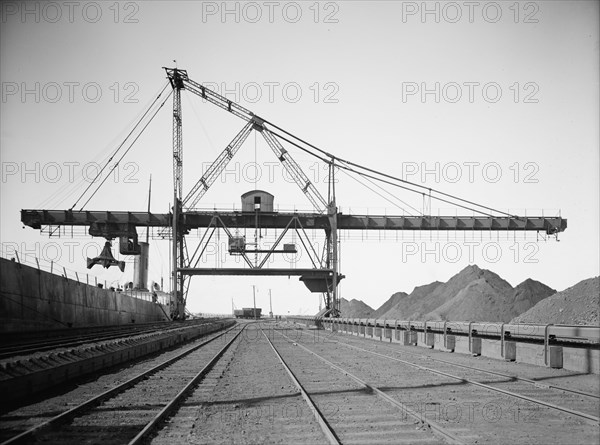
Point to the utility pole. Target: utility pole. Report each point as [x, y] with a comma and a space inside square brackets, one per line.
[149, 197]
[332, 245]
[254, 297]
[270, 305]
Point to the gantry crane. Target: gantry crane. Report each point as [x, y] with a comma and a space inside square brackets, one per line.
[324, 276]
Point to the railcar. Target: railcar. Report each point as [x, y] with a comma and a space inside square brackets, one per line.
[247, 312]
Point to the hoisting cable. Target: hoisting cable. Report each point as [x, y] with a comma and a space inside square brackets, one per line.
[346, 167]
[433, 190]
[380, 195]
[389, 193]
[333, 157]
[121, 146]
[414, 191]
[124, 154]
[74, 185]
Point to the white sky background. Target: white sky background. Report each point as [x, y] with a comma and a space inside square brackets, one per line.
[351, 65]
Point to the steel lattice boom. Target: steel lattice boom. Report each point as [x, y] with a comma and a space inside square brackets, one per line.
[324, 275]
[114, 224]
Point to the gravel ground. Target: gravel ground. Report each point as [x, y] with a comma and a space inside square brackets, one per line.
[561, 377]
[249, 399]
[488, 417]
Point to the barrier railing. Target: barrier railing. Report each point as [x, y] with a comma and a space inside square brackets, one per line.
[546, 333]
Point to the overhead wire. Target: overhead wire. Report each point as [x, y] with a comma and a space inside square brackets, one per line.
[430, 190]
[385, 175]
[100, 159]
[346, 167]
[341, 165]
[211, 144]
[75, 183]
[328, 158]
[379, 194]
[391, 194]
[125, 153]
[406, 188]
[122, 144]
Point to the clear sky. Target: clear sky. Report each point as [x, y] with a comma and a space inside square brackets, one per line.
[496, 102]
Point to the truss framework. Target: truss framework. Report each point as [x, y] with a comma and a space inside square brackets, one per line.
[179, 81]
[323, 277]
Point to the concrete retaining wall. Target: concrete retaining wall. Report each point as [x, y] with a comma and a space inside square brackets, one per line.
[575, 359]
[32, 299]
[582, 360]
[491, 348]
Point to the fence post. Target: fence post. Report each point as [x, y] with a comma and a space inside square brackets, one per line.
[546, 342]
[502, 340]
[445, 332]
[470, 335]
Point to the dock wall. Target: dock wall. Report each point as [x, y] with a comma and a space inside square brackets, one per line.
[33, 299]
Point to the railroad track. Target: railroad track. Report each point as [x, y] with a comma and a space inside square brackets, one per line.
[495, 407]
[574, 402]
[359, 417]
[507, 376]
[252, 400]
[276, 392]
[130, 411]
[266, 387]
[38, 345]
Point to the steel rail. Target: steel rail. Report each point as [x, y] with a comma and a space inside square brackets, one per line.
[142, 435]
[96, 400]
[594, 419]
[433, 425]
[49, 337]
[325, 427]
[45, 338]
[513, 377]
[13, 351]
